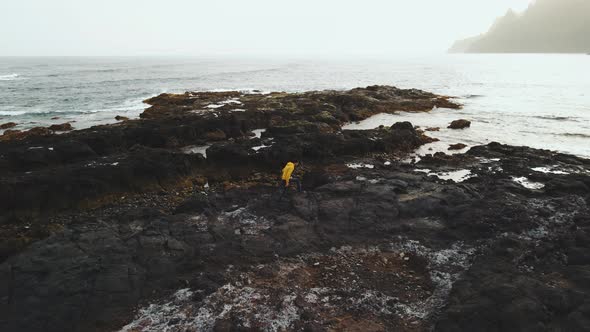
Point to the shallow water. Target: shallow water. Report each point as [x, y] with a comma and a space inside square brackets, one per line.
[455, 176]
[201, 149]
[525, 182]
[536, 100]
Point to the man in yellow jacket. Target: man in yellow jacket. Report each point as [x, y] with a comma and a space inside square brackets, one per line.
[286, 178]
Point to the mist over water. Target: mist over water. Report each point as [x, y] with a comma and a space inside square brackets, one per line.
[541, 101]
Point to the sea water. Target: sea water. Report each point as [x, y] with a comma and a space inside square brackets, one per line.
[540, 100]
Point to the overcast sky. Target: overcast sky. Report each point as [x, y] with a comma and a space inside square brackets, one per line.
[241, 27]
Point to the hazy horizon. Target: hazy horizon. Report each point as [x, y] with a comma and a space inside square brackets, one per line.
[256, 28]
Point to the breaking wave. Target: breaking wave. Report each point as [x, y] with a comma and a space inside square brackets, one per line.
[9, 77]
[135, 104]
[12, 113]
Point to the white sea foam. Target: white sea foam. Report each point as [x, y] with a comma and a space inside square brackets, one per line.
[256, 148]
[234, 101]
[455, 176]
[201, 149]
[258, 133]
[487, 161]
[360, 165]
[84, 118]
[525, 182]
[9, 77]
[550, 170]
[249, 91]
[12, 113]
[94, 164]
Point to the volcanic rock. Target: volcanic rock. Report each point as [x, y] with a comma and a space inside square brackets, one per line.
[130, 226]
[9, 132]
[458, 146]
[7, 125]
[61, 127]
[217, 135]
[460, 124]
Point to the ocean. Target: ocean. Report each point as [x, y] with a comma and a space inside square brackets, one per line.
[542, 101]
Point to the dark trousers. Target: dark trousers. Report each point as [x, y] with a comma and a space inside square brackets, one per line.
[283, 187]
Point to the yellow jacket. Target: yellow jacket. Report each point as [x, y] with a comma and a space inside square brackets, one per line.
[287, 171]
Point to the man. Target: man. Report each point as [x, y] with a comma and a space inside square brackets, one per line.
[286, 177]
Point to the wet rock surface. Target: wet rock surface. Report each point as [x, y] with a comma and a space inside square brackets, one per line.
[7, 125]
[61, 127]
[86, 167]
[163, 224]
[458, 146]
[460, 124]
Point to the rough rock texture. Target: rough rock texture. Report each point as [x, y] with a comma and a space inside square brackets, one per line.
[86, 166]
[61, 127]
[131, 231]
[7, 125]
[458, 146]
[460, 124]
[11, 135]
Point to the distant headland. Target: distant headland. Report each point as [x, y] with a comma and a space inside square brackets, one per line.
[547, 26]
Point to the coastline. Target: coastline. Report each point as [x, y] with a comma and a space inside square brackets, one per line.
[123, 206]
[533, 114]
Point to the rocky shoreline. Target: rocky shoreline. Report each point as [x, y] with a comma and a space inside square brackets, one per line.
[171, 222]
